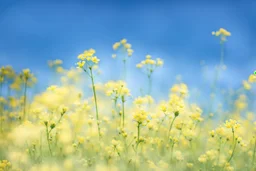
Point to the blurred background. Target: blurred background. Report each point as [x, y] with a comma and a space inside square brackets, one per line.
[178, 31]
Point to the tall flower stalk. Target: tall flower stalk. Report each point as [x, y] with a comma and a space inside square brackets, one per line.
[25, 98]
[141, 117]
[254, 152]
[176, 114]
[88, 61]
[49, 127]
[148, 66]
[95, 100]
[124, 49]
[233, 125]
[28, 79]
[123, 113]
[118, 91]
[223, 34]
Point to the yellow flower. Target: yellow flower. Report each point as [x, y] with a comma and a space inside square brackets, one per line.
[130, 52]
[232, 124]
[81, 139]
[202, 158]
[123, 41]
[139, 65]
[80, 64]
[140, 116]
[247, 86]
[116, 45]
[252, 78]
[223, 33]
[58, 62]
[26, 72]
[190, 165]
[212, 133]
[95, 60]
[127, 46]
[148, 57]
[59, 69]
[159, 62]
[81, 57]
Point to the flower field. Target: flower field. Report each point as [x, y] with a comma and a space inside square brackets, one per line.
[85, 124]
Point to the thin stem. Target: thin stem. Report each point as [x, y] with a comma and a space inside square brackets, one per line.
[138, 136]
[171, 127]
[219, 152]
[56, 123]
[8, 91]
[1, 88]
[172, 150]
[234, 142]
[221, 53]
[1, 108]
[124, 72]
[1, 120]
[25, 99]
[232, 152]
[149, 84]
[95, 101]
[254, 152]
[160, 123]
[123, 109]
[40, 147]
[233, 135]
[48, 139]
[217, 74]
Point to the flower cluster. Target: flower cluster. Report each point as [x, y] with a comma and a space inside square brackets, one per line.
[116, 89]
[87, 59]
[123, 46]
[222, 33]
[150, 64]
[74, 125]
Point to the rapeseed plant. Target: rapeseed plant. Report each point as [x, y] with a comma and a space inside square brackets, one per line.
[59, 128]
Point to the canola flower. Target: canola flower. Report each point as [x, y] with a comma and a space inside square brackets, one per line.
[222, 34]
[124, 49]
[59, 128]
[27, 79]
[118, 91]
[87, 61]
[148, 66]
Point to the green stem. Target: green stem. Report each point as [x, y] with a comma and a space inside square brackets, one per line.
[232, 153]
[160, 123]
[217, 74]
[124, 72]
[172, 150]
[56, 123]
[221, 54]
[95, 101]
[25, 99]
[1, 120]
[233, 135]
[171, 127]
[219, 152]
[48, 139]
[138, 136]
[123, 109]
[254, 152]
[149, 84]
[234, 142]
[1, 88]
[1, 108]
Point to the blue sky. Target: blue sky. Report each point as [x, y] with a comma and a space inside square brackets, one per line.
[33, 32]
